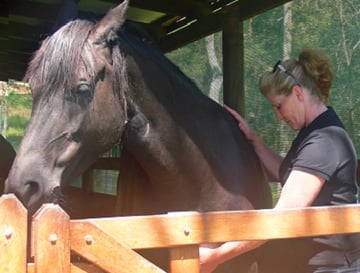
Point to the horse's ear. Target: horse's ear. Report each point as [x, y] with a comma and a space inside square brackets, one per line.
[108, 26]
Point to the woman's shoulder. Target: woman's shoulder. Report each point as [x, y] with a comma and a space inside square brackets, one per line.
[327, 124]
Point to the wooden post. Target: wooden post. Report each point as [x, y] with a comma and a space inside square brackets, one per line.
[184, 259]
[51, 240]
[13, 234]
[233, 60]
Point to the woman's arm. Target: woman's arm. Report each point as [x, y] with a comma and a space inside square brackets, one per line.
[300, 190]
[211, 258]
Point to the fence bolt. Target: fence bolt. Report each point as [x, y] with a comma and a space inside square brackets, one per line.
[89, 239]
[53, 238]
[8, 233]
[186, 231]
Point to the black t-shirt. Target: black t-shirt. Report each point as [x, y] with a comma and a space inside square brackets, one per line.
[325, 149]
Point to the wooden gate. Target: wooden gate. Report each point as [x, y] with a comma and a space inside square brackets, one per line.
[107, 244]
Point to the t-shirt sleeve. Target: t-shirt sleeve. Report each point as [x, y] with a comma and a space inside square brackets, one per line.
[321, 153]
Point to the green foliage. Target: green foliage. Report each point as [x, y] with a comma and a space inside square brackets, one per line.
[193, 61]
[19, 110]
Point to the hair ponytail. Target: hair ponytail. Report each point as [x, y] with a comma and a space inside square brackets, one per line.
[317, 68]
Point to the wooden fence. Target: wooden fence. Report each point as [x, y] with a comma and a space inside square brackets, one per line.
[107, 243]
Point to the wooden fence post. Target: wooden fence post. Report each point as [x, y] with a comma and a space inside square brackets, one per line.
[184, 259]
[51, 240]
[13, 234]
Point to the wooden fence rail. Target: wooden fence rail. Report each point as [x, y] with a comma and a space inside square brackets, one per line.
[108, 243]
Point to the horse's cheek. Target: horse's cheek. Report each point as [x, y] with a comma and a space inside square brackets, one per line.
[68, 154]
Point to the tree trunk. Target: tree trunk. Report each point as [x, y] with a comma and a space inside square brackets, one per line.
[216, 71]
[284, 134]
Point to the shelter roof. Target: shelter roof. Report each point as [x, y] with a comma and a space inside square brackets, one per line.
[24, 23]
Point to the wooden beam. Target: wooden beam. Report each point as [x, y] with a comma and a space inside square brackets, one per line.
[13, 75]
[233, 61]
[183, 8]
[189, 228]
[196, 30]
[4, 9]
[22, 46]
[15, 66]
[27, 32]
[206, 25]
[18, 60]
[250, 8]
[75, 268]
[27, 11]
[184, 259]
[90, 242]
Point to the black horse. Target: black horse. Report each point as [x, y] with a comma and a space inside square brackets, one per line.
[7, 156]
[97, 85]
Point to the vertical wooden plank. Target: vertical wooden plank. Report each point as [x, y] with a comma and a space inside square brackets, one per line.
[51, 240]
[13, 234]
[184, 259]
[233, 60]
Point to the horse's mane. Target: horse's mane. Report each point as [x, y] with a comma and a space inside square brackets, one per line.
[55, 63]
[144, 48]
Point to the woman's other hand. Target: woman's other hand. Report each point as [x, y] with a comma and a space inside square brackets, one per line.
[208, 263]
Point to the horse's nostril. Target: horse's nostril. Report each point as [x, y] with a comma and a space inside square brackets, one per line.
[31, 188]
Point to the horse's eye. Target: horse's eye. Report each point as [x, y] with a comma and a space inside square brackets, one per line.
[83, 88]
[83, 94]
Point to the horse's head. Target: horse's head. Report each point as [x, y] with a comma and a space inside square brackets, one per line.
[78, 86]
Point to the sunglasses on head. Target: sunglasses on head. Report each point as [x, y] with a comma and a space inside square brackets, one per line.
[279, 66]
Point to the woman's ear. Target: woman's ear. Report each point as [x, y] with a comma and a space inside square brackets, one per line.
[299, 92]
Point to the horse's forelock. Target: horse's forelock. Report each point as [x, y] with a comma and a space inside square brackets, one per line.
[58, 58]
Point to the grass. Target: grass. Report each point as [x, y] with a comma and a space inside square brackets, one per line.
[18, 108]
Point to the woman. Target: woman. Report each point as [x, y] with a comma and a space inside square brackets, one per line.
[319, 169]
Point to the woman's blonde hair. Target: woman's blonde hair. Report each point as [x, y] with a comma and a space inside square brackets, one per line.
[312, 71]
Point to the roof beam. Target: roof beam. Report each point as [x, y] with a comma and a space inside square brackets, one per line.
[250, 8]
[214, 23]
[25, 23]
[183, 8]
[24, 10]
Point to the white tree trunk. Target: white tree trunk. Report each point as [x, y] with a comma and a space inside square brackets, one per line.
[287, 48]
[216, 70]
[284, 134]
[4, 110]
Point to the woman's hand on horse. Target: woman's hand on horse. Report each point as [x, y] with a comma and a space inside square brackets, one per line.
[242, 124]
